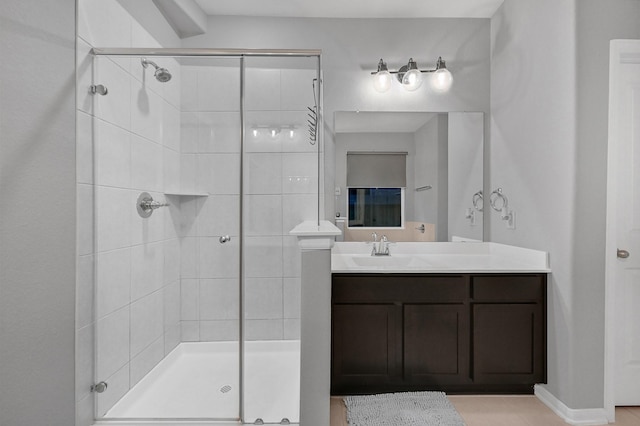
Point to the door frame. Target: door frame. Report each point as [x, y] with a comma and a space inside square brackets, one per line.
[620, 53]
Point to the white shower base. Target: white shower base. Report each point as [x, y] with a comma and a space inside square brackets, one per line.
[193, 381]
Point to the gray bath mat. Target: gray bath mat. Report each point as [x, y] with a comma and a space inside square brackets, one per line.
[402, 409]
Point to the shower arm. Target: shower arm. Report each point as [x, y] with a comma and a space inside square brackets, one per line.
[146, 62]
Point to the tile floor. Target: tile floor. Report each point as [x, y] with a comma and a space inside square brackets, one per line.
[502, 411]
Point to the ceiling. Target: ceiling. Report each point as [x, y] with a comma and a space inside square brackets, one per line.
[353, 8]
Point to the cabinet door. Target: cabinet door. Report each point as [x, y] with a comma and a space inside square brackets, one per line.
[366, 348]
[436, 345]
[508, 344]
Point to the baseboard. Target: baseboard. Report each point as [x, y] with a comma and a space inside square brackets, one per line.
[581, 417]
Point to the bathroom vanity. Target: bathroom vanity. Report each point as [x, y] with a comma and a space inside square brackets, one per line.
[461, 318]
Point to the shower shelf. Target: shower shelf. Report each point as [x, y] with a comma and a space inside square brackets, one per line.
[187, 194]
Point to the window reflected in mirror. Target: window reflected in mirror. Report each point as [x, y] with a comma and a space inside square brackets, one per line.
[376, 207]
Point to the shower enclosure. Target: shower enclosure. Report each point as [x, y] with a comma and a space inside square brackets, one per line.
[204, 160]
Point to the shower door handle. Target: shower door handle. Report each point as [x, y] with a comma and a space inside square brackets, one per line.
[622, 254]
[225, 239]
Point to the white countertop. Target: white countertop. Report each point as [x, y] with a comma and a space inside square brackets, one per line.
[312, 228]
[355, 257]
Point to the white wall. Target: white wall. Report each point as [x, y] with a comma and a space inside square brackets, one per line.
[37, 225]
[598, 22]
[431, 168]
[465, 161]
[351, 50]
[533, 150]
[548, 152]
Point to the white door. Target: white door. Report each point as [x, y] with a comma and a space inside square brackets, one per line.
[623, 221]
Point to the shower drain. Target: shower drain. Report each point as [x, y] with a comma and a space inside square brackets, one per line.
[225, 389]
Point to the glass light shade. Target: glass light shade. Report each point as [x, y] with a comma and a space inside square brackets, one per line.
[441, 80]
[412, 80]
[382, 81]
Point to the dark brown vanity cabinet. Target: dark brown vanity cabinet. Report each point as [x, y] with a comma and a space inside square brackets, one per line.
[509, 331]
[467, 333]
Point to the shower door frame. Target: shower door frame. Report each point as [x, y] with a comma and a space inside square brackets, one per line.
[240, 54]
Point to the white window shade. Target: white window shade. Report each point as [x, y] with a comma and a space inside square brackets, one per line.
[377, 169]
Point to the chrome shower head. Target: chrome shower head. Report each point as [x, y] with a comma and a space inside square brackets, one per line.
[162, 74]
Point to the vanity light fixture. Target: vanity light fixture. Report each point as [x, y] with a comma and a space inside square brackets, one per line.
[410, 76]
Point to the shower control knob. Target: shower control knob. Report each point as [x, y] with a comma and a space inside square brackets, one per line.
[225, 239]
[146, 205]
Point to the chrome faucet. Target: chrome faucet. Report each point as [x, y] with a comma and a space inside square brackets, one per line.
[383, 246]
[375, 240]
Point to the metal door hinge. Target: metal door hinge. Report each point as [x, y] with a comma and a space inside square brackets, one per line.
[99, 387]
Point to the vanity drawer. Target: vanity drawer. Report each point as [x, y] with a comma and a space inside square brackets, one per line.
[399, 288]
[508, 287]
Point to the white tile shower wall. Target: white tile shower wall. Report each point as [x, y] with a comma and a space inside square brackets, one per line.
[210, 146]
[128, 142]
[280, 185]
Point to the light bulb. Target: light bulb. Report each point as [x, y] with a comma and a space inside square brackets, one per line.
[441, 80]
[274, 133]
[382, 81]
[291, 133]
[412, 80]
[382, 78]
[255, 133]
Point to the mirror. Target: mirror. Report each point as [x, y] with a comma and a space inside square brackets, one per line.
[441, 194]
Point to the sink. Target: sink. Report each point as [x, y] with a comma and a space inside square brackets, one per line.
[414, 257]
[388, 261]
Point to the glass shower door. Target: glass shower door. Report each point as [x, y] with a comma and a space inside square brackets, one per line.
[211, 164]
[167, 289]
[280, 190]
[201, 167]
